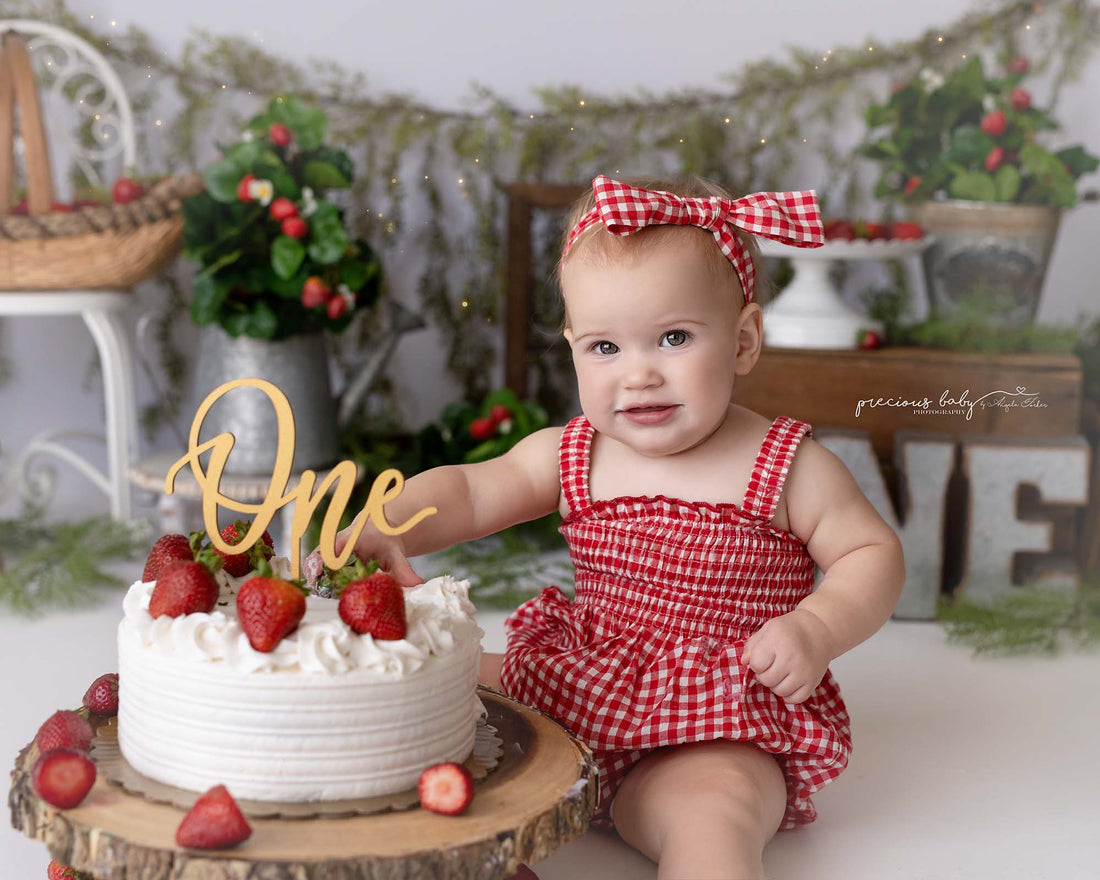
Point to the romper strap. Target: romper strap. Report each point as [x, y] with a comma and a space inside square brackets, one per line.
[772, 464]
[574, 457]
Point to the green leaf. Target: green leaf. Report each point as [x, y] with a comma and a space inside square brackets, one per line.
[353, 273]
[969, 145]
[244, 155]
[221, 181]
[286, 255]
[1078, 160]
[322, 175]
[975, 185]
[884, 148]
[338, 158]
[1006, 181]
[878, 114]
[207, 297]
[309, 125]
[327, 239]
[262, 322]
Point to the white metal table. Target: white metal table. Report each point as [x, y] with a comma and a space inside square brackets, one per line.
[103, 313]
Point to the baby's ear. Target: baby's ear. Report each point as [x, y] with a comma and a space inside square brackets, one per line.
[568, 334]
[750, 337]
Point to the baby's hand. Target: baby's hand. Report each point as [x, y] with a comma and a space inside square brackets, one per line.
[789, 654]
[387, 550]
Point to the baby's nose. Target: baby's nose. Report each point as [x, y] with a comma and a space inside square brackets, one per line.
[640, 372]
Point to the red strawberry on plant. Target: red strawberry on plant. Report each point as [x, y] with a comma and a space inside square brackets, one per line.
[499, 413]
[1019, 64]
[279, 134]
[125, 190]
[63, 777]
[165, 551]
[911, 185]
[64, 729]
[1021, 99]
[268, 609]
[185, 588]
[239, 564]
[336, 307]
[57, 871]
[102, 696]
[446, 788]
[995, 123]
[482, 429]
[242, 188]
[213, 822]
[994, 159]
[374, 606]
[282, 208]
[294, 227]
[315, 292]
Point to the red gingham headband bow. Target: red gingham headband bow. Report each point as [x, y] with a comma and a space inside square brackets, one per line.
[790, 217]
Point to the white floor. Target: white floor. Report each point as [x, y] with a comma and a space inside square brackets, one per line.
[962, 768]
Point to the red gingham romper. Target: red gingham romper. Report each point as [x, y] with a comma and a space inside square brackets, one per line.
[648, 654]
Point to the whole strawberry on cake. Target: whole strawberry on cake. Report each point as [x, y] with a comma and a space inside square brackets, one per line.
[254, 682]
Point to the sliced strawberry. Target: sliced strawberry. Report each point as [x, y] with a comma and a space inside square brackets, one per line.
[184, 588]
[166, 550]
[102, 696]
[446, 788]
[374, 605]
[269, 609]
[57, 871]
[64, 730]
[214, 822]
[240, 564]
[63, 777]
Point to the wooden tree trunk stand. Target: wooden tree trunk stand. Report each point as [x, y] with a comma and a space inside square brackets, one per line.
[541, 795]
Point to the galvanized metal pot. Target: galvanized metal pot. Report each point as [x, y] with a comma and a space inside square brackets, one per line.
[298, 366]
[988, 261]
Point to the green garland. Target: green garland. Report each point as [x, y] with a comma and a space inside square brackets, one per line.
[1028, 620]
[64, 565]
[768, 117]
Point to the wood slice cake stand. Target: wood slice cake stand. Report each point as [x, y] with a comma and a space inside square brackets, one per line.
[541, 795]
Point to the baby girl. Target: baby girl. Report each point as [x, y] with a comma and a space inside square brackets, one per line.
[694, 656]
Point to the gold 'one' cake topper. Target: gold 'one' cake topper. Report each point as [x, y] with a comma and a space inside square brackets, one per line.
[386, 487]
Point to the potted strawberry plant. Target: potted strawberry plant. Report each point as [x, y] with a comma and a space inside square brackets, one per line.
[966, 153]
[277, 269]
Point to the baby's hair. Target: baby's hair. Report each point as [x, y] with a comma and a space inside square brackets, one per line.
[599, 246]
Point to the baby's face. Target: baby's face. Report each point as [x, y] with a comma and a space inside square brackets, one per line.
[655, 343]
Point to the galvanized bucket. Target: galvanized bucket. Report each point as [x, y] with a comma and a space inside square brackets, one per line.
[988, 261]
[298, 366]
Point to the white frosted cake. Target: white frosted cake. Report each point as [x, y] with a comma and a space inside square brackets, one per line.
[327, 715]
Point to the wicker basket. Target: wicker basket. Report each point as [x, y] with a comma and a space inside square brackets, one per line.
[100, 246]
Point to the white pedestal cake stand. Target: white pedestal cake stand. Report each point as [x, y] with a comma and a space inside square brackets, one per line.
[810, 312]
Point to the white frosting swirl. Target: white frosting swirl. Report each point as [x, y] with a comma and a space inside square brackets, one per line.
[439, 612]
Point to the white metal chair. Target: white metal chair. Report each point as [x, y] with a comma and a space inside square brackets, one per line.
[70, 71]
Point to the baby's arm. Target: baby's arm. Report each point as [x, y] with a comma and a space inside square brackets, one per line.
[474, 500]
[861, 558]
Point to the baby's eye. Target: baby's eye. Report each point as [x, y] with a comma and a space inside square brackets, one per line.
[604, 347]
[674, 338]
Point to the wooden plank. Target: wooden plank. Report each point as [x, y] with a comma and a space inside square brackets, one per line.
[824, 388]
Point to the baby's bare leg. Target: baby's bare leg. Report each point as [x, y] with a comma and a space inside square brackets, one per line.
[703, 810]
[489, 672]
